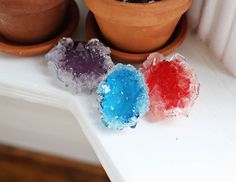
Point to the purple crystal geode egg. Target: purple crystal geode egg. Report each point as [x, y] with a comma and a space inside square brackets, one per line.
[79, 66]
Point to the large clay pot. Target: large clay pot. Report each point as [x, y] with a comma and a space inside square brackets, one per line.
[31, 21]
[137, 27]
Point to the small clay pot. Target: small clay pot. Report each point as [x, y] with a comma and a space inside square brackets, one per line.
[137, 27]
[31, 21]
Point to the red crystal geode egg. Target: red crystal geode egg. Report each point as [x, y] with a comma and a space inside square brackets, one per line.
[173, 87]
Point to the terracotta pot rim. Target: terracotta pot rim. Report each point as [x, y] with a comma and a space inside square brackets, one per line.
[158, 7]
[156, 3]
[17, 9]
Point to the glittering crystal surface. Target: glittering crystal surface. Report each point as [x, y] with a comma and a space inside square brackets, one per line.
[123, 97]
[173, 87]
[79, 66]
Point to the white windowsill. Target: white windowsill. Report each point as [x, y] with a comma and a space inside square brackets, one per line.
[199, 148]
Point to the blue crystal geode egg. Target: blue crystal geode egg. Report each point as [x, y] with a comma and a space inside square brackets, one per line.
[123, 97]
[79, 66]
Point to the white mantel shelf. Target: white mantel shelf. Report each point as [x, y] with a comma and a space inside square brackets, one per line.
[199, 148]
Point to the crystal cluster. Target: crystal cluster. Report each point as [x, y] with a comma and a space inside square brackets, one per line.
[123, 97]
[169, 88]
[79, 66]
[173, 87]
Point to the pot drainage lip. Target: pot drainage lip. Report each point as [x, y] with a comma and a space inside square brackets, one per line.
[172, 44]
[70, 25]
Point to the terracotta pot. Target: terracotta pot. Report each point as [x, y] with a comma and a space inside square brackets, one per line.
[31, 21]
[137, 27]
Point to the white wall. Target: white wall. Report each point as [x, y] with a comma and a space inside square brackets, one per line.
[215, 23]
[43, 128]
